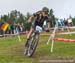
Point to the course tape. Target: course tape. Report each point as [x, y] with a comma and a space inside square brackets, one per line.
[59, 39]
[65, 40]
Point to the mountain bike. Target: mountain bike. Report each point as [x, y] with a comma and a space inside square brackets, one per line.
[32, 42]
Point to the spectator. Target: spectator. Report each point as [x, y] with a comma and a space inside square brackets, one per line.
[70, 23]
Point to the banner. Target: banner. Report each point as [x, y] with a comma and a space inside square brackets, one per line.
[4, 26]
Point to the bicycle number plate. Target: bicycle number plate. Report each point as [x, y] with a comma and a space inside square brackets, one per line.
[38, 28]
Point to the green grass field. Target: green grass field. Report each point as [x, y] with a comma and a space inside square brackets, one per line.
[11, 50]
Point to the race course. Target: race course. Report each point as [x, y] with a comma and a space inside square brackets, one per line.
[11, 50]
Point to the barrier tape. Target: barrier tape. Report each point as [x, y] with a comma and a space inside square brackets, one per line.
[7, 35]
[65, 27]
[58, 33]
[59, 39]
[23, 33]
[65, 40]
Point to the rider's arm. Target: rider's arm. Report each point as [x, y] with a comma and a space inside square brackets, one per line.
[30, 19]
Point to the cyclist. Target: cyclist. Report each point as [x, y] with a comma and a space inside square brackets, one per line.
[39, 18]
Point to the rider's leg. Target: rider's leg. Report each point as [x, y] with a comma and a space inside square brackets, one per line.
[30, 32]
[29, 35]
[32, 29]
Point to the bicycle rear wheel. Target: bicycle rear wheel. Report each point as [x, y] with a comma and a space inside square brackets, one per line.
[31, 45]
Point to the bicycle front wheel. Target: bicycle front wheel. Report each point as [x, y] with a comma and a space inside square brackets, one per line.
[32, 44]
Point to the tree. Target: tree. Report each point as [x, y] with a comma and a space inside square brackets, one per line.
[28, 15]
[26, 24]
[5, 18]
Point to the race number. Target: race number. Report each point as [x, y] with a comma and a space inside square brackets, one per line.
[38, 28]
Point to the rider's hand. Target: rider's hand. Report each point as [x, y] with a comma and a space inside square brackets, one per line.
[29, 22]
[47, 30]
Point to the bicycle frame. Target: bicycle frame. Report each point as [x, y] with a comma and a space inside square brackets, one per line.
[32, 43]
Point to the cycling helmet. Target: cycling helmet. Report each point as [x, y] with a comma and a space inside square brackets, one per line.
[45, 9]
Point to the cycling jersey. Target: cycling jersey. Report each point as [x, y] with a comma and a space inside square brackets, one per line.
[39, 17]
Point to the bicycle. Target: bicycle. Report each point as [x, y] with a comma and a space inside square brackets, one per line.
[33, 42]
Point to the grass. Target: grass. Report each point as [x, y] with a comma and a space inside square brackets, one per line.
[11, 50]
